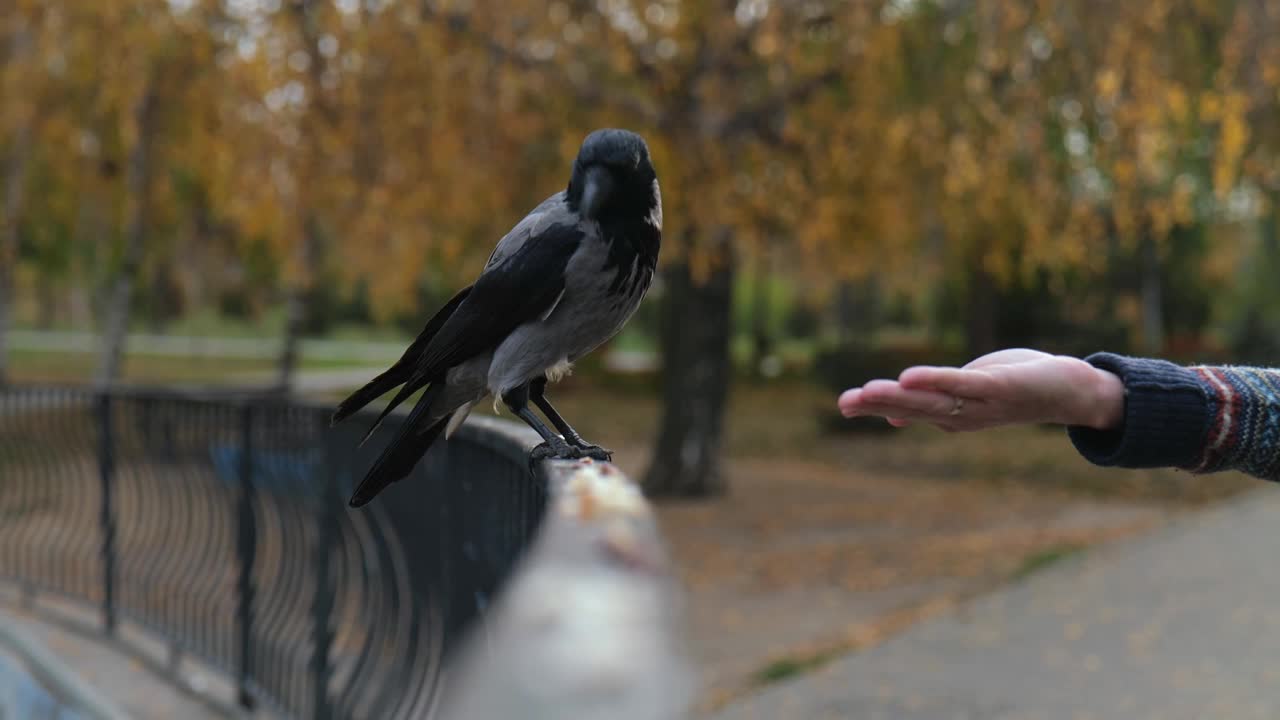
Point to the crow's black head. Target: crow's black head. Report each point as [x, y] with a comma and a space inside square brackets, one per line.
[613, 178]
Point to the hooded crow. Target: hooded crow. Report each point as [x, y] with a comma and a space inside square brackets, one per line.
[564, 280]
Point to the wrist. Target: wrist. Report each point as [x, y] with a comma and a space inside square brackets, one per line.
[1166, 412]
[1106, 409]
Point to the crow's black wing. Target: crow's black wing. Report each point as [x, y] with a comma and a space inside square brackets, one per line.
[524, 285]
[402, 370]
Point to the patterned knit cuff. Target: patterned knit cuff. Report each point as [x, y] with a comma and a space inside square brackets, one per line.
[1244, 431]
[1167, 416]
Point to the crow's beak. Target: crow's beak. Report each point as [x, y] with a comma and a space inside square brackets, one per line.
[596, 192]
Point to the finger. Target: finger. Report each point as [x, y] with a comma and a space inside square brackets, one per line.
[897, 412]
[848, 402]
[913, 402]
[973, 415]
[852, 400]
[953, 381]
[899, 422]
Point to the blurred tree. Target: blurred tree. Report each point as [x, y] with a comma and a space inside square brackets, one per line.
[18, 116]
[373, 141]
[713, 86]
[153, 75]
[1058, 136]
[316, 123]
[102, 94]
[1080, 163]
[1252, 60]
[138, 195]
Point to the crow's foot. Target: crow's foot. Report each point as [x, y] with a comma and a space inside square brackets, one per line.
[554, 449]
[595, 452]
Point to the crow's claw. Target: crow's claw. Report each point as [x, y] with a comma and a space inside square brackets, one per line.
[595, 452]
[556, 449]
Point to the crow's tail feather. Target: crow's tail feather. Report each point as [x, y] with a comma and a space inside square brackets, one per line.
[394, 376]
[406, 449]
[411, 386]
[402, 371]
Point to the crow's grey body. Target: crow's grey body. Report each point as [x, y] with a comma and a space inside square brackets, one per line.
[563, 281]
[585, 316]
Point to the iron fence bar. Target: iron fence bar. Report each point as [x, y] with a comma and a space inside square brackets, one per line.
[322, 609]
[247, 547]
[211, 509]
[107, 471]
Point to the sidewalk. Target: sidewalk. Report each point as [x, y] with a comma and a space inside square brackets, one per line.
[137, 690]
[1181, 623]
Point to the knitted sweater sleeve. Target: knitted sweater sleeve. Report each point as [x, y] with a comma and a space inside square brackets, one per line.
[1201, 419]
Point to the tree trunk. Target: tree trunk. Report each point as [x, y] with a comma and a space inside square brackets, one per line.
[298, 305]
[47, 304]
[166, 299]
[295, 317]
[844, 310]
[15, 178]
[761, 336]
[858, 311]
[14, 185]
[137, 184]
[83, 294]
[696, 369]
[1113, 280]
[1152, 297]
[79, 308]
[980, 318]
[1256, 339]
[935, 246]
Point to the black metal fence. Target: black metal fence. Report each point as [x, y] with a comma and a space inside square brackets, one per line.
[221, 525]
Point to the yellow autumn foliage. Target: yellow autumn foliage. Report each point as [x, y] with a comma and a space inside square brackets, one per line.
[887, 137]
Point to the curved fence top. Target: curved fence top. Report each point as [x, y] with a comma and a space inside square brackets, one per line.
[219, 525]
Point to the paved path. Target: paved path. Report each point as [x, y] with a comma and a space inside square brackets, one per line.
[1182, 623]
[120, 677]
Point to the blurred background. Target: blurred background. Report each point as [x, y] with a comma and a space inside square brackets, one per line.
[279, 193]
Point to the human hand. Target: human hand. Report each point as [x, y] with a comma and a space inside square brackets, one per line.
[1002, 388]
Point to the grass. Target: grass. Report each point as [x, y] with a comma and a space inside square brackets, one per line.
[40, 366]
[57, 367]
[208, 322]
[765, 421]
[790, 419]
[779, 572]
[789, 667]
[1041, 559]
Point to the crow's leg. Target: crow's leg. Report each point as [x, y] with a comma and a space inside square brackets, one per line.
[537, 393]
[553, 446]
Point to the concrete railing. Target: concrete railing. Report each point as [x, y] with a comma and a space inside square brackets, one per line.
[530, 595]
[590, 625]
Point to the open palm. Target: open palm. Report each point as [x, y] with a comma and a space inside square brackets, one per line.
[1001, 388]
